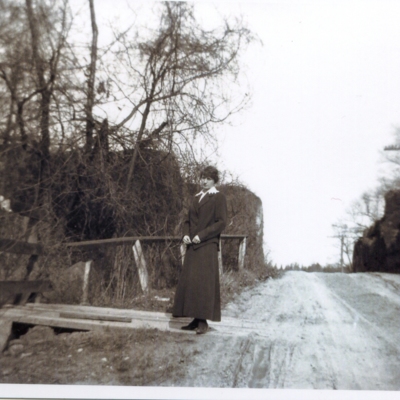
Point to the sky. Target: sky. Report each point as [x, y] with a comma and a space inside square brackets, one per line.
[326, 100]
[325, 86]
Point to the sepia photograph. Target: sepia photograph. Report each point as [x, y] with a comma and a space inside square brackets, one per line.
[199, 200]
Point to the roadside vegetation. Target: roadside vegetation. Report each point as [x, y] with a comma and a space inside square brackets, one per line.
[318, 268]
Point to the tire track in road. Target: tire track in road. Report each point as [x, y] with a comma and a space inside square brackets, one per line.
[244, 349]
[358, 355]
[341, 348]
[275, 360]
[369, 344]
[304, 331]
[323, 342]
[260, 371]
[358, 317]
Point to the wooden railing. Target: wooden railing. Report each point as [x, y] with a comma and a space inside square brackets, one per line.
[24, 288]
[136, 243]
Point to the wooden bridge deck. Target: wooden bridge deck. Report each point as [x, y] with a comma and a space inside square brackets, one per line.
[89, 318]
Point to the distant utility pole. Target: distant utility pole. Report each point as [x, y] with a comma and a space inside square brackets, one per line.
[341, 234]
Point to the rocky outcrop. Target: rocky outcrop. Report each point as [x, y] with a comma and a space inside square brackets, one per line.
[245, 217]
[379, 248]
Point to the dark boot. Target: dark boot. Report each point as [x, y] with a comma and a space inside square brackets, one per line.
[192, 326]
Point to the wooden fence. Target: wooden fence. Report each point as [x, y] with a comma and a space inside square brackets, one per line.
[26, 287]
[136, 243]
[22, 289]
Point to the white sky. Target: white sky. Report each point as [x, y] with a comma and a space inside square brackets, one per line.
[326, 99]
[326, 89]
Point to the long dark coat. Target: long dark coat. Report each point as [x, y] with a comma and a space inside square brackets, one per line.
[198, 291]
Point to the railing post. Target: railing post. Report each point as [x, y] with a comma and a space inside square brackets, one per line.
[242, 253]
[85, 287]
[30, 232]
[183, 252]
[220, 267]
[141, 265]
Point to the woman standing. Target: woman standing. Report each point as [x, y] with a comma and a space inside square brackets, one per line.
[198, 292]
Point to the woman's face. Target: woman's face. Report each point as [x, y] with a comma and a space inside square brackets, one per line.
[207, 183]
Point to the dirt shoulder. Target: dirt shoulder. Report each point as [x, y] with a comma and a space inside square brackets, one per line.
[304, 330]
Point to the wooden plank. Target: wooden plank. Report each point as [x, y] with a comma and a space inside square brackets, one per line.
[94, 310]
[22, 316]
[224, 237]
[132, 239]
[75, 315]
[5, 332]
[55, 309]
[141, 266]
[242, 253]
[227, 326]
[121, 241]
[85, 288]
[183, 249]
[16, 287]
[15, 246]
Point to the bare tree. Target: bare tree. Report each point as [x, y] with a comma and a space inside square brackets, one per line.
[46, 66]
[17, 89]
[178, 80]
[33, 38]
[91, 79]
[368, 209]
[360, 215]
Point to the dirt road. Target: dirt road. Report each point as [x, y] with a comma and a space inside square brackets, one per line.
[309, 330]
[303, 330]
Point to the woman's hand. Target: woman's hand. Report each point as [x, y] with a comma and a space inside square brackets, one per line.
[186, 239]
[196, 239]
